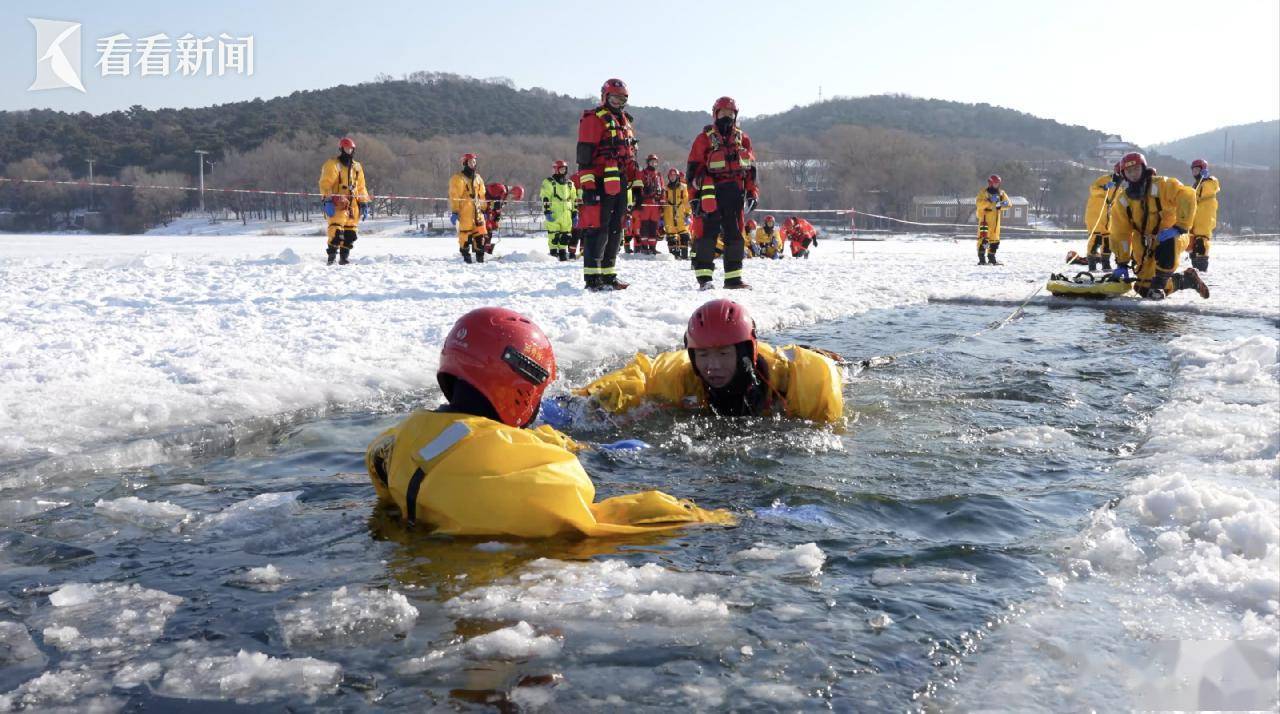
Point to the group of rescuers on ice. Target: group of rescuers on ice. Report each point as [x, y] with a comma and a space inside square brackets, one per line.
[701, 219]
[1147, 221]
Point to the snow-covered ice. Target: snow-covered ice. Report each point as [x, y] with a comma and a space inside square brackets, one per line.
[344, 614]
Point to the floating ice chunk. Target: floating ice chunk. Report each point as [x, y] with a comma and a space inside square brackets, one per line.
[267, 578]
[136, 674]
[248, 677]
[806, 559]
[517, 642]
[885, 577]
[145, 514]
[17, 649]
[880, 621]
[256, 514]
[64, 687]
[529, 698]
[775, 693]
[106, 616]
[346, 612]
[1039, 437]
[610, 591]
[494, 546]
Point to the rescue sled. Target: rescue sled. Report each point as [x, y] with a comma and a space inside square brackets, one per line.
[1100, 286]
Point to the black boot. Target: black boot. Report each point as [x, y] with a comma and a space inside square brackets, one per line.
[1106, 262]
[1093, 263]
[991, 255]
[982, 256]
[333, 255]
[1200, 262]
[562, 254]
[342, 256]
[592, 282]
[466, 255]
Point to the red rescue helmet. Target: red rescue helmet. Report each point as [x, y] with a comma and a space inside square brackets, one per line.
[651, 157]
[470, 157]
[769, 220]
[496, 190]
[1133, 158]
[720, 323]
[559, 166]
[504, 356]
[993, 180]
[613, 86]
[724, 103]
[515, 193]
[674, 174]
[1200, 166]
[751, 224]
[346, 143]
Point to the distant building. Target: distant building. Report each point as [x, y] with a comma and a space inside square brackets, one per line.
[1112, 149]
[950, 209]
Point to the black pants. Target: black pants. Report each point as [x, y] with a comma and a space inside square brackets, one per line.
[726, 221]
[600, 245]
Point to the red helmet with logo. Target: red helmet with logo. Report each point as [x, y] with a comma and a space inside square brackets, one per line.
[751, 224]
[720, 323]
[515, 193]
[346, 143]
[1201, 165]
[470, 157]
[993, 180]
[724, 103]
[1133, 158]
[558, 165]
[674, 174]
[613, 86]
[504, 356]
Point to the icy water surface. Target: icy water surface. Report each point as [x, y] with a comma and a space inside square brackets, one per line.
[871, 561]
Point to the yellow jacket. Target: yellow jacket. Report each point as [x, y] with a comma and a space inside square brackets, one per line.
[675, 208]
[466, 198]
[770, 243]
[1167, 204]
[987, 212]
[1206, 206]
[1096, 218]
[339, 180]
[472, 476]
[808, 383]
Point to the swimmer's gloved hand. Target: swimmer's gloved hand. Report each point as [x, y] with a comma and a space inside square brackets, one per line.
[552, 412]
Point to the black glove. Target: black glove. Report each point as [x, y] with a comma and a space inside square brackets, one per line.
[591, 197]
[751, 204]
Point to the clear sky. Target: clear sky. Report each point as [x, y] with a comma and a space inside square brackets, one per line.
[1149, 71]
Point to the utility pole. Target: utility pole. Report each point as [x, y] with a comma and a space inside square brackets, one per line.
[201, 154]
[90, 162]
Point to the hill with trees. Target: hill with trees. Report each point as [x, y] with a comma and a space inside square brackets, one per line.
[1256, 144]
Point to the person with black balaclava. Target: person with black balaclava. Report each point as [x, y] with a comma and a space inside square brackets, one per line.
[724, 368]
[345, 195]
[467, 199]
[1149, 225]
[722, 187]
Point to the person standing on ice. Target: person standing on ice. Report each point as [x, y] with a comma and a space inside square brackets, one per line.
[1149, 222]
[646, 197]
[606, 157]
[722, 177]
[466, 206]
[1097, 220]
[1207, 188]
[990, 206]
[472, 467]
[342, 185]
[726, 369]
[559, 198]
[675, 214]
